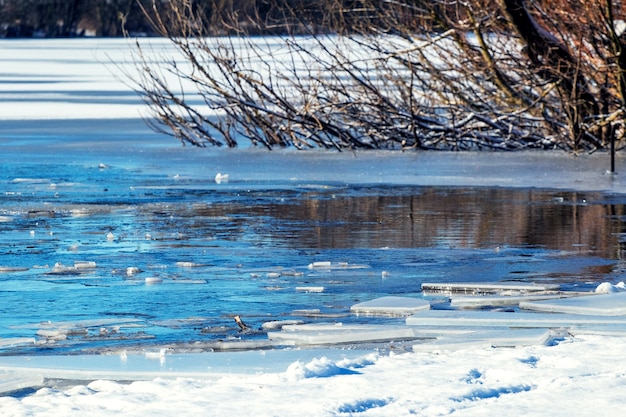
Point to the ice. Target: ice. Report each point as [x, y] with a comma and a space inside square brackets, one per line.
[487, 339]
[487, 287]
[612, 304]
[611, 330]
[15, 341]
[505, 319]
[79, 324]
[325, 334]
[220, 178]
[84, 264]
[186, 264]
[279, 324]
[335, 265]
[310, 289]
[607, 287]
[14, 381]
[512, 300]
[391, 306]
[146, 366]
[12, 268]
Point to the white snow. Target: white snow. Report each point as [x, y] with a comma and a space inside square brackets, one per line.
[535, 372]
[581, 376]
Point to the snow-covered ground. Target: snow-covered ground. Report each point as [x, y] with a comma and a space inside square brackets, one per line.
[47, 84]
[585, 376]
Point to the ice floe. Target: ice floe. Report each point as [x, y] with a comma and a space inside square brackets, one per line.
[337, 333]
[508, 319]
[474, 302]
[220, 178]
[487, 287]
[607, 287]
[488, 339]
[310, 289]
[612, 304]
[335, 265]
[391, 306]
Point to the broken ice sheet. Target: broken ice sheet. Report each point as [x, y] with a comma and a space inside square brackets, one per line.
[335, 265]
[505, 319]
[337, 333]
[486, 338]
[612, 304]
[477, 302]
[487, 287]
[391, 306]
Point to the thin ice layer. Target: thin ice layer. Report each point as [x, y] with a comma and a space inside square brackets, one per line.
[487, 339]
[321, 334]
[397, 306]
[494, 318]
[613, 304]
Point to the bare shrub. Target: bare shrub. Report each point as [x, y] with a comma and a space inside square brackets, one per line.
[480, 74]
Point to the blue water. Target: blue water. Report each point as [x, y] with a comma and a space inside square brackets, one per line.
[124, 197]
[109, 192]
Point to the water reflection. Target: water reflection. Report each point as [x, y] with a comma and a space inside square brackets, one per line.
[422, 218]
[252, 246]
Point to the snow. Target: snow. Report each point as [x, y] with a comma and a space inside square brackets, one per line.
[477, 366]
[580, 376]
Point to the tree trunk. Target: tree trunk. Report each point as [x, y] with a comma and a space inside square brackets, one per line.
[555, 63]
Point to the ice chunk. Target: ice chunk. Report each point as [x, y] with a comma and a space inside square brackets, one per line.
[84, 264]
[487, 339]
[607, 287]
[319, 264]
[186, 264]
[12, 269]
[606, 330]
[503, 319]
[53, 334]
[335, 265]
[505, 300]
[16, 341]
[135, 366]
[316, 334]
[613, 304]
[53, 325]
[220, 178]
[391, 306]
[132, 270]
[279, 324]
[310, 289]
[153, 280]
[13, 381]
[487, 287]
[60, 269]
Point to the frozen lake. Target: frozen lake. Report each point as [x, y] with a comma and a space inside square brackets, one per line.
[150, 250]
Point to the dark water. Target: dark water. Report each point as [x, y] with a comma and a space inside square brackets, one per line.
[244, 247]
